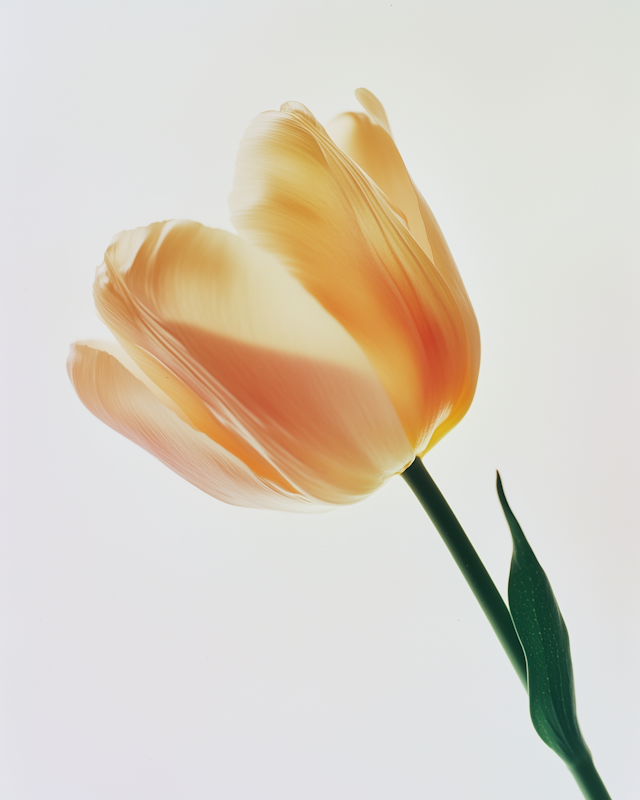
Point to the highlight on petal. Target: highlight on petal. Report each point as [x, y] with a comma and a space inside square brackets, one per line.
[129, 405]
[364, 255]
[252, 359]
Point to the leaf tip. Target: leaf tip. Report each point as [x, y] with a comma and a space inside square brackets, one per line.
[500, 490]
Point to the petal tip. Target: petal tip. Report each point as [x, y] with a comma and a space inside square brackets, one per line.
[373, 107]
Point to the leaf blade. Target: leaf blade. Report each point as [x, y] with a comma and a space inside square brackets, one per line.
[545, 641]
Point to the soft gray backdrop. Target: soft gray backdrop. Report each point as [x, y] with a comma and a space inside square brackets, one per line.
[155, 643]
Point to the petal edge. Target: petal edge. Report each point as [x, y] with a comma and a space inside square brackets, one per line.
[114, 395]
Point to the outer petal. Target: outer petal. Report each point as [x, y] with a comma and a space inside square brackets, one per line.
[111, 392]
[301, 197]
[283, 386]
[373, 149]
[367, 139]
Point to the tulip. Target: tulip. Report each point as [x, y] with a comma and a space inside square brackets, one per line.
[303, 363]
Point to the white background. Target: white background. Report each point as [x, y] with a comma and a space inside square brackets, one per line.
[155, 643]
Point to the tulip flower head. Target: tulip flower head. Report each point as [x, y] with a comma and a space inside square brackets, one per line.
[304, 362]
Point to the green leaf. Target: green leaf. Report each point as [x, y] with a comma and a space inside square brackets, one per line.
[545, 641]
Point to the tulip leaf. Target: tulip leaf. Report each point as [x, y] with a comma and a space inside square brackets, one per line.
[545, 641]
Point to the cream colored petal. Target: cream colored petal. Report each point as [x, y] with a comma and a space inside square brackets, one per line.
[124, 402]
[374, 108]
[298, 195]
[271, 367]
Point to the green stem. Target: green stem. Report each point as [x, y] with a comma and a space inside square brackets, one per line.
[469, 563]
[590, 783]
[490, 599]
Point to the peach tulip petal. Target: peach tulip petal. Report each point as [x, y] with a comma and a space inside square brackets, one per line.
[372, 147]
[282, 381]
[192, 409]
[299, 196]
[374, 151]
[120, 399]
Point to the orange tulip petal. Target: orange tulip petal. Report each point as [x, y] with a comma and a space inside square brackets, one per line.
[274, 371]
[299, 196]
[372, 147]
[374, 151]
[192, 409]
[140, 412]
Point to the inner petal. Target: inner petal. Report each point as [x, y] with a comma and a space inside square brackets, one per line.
[271, 366]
